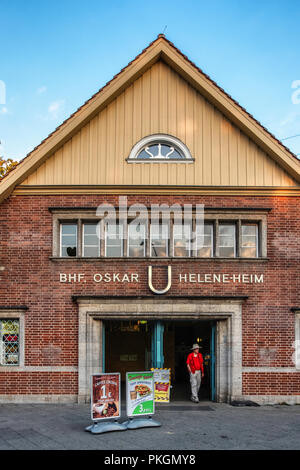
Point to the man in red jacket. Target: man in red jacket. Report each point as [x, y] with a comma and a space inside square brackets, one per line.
[195, 368]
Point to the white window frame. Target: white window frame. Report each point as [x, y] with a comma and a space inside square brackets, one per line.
[229, 223]
[163, 139]
[122, 240]
[189, 241]
[145, 241]
[89, 246]
[167, 240]
[17, 314]
[60, 238]
[256, 238]
[211, 224]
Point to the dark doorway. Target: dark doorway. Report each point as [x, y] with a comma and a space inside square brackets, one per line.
[186, 334]
[129, 347]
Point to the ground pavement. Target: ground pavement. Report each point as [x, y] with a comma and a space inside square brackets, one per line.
[185, 426]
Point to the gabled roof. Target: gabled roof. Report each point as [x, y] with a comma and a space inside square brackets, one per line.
[159, 49]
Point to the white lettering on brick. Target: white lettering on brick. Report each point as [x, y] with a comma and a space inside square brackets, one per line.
[62, 277]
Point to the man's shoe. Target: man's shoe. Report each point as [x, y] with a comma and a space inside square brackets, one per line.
[195, 400]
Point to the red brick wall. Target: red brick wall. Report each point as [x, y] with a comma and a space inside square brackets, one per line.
[39, 383]
[31, 278]
[266, 383]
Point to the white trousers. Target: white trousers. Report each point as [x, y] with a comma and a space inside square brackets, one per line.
[195, 380]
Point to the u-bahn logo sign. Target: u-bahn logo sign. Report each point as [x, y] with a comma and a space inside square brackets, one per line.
[169, 283]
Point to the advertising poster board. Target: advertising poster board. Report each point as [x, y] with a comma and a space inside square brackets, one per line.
[105, 396]
[139, 393]
[162, 384]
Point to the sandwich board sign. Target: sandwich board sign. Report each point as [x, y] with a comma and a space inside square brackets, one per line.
[105, 396]
[140, 399]
[105, 403]
[162, 385]
[140, 393]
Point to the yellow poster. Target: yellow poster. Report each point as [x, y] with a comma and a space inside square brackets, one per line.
[162, 385]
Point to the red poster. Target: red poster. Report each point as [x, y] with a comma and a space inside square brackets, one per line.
[105, 399]
[162, 387]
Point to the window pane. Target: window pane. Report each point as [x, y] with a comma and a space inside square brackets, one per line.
[114, 230]
[91, 239]
[91, 252]
[248, 252]
[181, 240]
[68, 240]
[227, 240]
[114, 240]
[248, 229]
[69, 229]
[205, 252]
[227, 252]
[113, 251]
[249, 241]
[9, 342]
[91, 242]
[136, 240]
[204, 241]
[90, 229]
[159, 240]
[160, 151]
[181, 248]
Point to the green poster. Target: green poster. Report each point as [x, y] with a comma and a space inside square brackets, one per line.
[140, 393]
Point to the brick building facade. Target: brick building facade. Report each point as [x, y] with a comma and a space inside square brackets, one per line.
[63, 313]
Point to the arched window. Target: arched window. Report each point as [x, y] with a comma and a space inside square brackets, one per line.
[160, 148]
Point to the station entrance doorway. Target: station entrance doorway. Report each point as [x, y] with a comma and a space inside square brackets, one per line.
[136, 345]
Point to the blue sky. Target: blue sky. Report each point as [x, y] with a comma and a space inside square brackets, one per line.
[56, 54]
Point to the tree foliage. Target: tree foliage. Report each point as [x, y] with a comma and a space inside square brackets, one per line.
[6, 166]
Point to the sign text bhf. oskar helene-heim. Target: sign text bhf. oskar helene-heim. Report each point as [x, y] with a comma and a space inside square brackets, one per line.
[183, 278]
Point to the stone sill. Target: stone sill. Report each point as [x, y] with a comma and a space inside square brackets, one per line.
[154, 260]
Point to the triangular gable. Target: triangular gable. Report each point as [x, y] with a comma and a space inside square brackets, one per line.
[160, 51]
[159, 102]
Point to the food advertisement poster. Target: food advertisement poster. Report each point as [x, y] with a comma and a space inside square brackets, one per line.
[162, 384]
[162, 392]
[140, 393]
[105, 396]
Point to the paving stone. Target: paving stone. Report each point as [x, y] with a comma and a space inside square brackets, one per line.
[52, 426]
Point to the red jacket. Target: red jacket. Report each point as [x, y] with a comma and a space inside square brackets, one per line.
[190, 361]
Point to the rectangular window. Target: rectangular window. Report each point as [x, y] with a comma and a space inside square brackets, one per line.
[227, 240]
[204, 240]
[9, 342]
[182, 240]
[136, 240]
[225, 236]
[113, 240]
[159, 240]
[68, 240]
[249, 241]
[90, 241]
